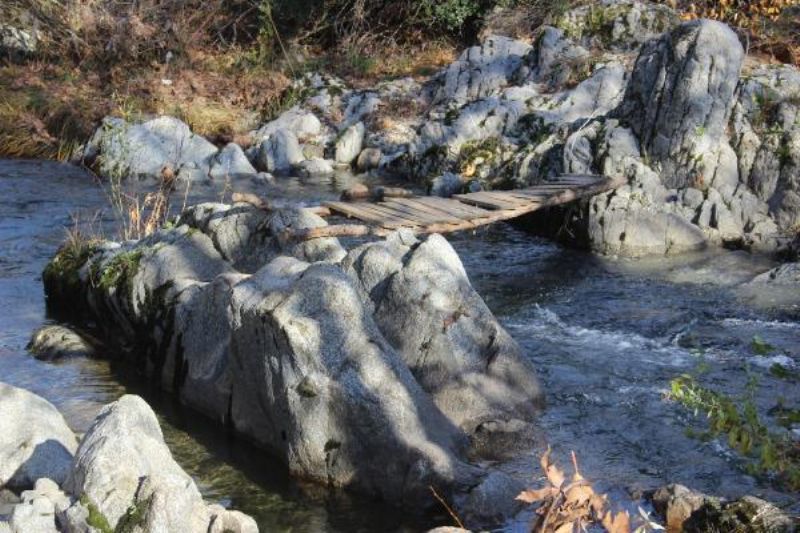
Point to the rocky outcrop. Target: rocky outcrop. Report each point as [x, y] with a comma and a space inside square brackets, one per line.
[35, 441]
[788, 275]
[710, 147]
[121, 478]
[680, 97]
[293, 346]
[17, 43]
[426, 308]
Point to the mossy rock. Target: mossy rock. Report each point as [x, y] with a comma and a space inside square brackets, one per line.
[61, 277]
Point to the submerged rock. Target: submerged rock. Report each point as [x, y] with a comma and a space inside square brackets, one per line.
[788, 274]
[56, 341]
[35, 441]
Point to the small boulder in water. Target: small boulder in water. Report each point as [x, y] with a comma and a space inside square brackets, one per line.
[694, 512]
[54, 341]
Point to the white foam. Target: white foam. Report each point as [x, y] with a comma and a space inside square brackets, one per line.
[546, 323]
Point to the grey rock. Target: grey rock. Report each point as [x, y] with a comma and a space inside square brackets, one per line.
[480, 70]
[279, 152]
[303, 355]
[681, 94]
[494, 498]
[368, 159]
[349, 144]
[787, 274]
[618, 24]
[319, 385]
[35, 441]
[120, 149]
[228, 521]
[231, 162]
[37, 510]
[17, 43]
[676, 503]
[446, 185]
[427, 309]
[303, 124]
[315, 167]
[554, 60]
[767, 139]
[35, 515]
[148, 483]
[55, 341]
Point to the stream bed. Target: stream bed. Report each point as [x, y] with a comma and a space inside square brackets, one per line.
[606, 336]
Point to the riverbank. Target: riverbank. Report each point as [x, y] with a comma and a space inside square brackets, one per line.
[605, 363]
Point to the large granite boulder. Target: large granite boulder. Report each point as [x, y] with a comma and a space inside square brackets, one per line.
[35, 441]
[317, 383]
[425, 306]
[120, 149]
[680, 97]
[295, 353]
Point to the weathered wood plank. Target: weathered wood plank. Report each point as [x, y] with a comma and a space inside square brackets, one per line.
[422, 212]
[484, 199]
[440, 215]
[448, 208]
[390, 213]
[454, 207]
[363, 212]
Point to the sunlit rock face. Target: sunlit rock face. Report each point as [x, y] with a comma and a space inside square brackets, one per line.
[709, 145]
[379, 369]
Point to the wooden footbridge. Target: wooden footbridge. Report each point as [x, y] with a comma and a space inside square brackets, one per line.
[429, 214]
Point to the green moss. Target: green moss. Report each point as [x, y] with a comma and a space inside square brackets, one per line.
[533, 127]
[61, 276]
[134, 517]
[451, 115]
[96, 518]
[475, 153]
[120, 270]
[599, 21]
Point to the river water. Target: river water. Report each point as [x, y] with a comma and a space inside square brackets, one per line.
[607, 336]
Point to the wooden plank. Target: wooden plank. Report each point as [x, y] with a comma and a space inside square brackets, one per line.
[362, 212]
[578, 178]
[483, 199]
[446, 207]
[391, 218]
[454, 207]
[393, 213]
[504, 196]
[535, 198]
[423, 212]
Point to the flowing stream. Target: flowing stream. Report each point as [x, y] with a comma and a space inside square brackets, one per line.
[607, 336]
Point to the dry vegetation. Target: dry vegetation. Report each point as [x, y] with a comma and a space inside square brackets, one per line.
[224, 66]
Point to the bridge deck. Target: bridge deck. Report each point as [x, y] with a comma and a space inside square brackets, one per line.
[429, 214]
